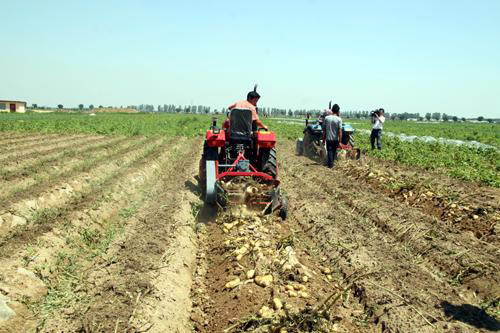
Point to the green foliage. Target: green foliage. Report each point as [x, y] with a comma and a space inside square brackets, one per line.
[459, 162]
[484, 133]
[482, 165]
[146, 124]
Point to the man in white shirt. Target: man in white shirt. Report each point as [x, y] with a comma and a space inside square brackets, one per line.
[378, 120]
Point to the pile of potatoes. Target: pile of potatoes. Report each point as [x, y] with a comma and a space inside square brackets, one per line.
[252, 245]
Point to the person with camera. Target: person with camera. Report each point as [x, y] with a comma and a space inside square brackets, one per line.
[332, 134]
[378, 120]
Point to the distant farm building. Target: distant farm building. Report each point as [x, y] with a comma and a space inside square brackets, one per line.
[12, 106]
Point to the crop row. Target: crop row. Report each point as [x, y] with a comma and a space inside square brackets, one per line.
[471, 164]
[460, 162]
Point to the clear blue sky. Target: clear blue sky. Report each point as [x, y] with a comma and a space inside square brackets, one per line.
[413, 56]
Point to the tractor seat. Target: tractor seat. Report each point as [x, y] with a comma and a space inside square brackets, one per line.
[240, 124]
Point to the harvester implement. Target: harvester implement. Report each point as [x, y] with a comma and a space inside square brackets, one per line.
[239, 166]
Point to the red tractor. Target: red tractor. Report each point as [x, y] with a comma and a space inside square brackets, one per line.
[239, 166]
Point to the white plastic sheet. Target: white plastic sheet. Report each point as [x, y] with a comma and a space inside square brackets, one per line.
[431, 139]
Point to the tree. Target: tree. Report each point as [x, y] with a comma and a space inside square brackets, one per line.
[60, 106]
[100, 106]
[80, 106]
[91, 107]
[445, 117]
[428, 116]
[455, 118]
[34, 106]
[436, 116]
[490, 121]
[480, 118]
[463, 119]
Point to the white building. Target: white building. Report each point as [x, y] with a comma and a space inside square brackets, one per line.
[12, 106]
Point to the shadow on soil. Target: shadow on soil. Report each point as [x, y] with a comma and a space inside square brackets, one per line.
[194, 188]
[207, 213]
[471, 315]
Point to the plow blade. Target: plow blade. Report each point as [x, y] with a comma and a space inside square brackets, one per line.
[265, 198]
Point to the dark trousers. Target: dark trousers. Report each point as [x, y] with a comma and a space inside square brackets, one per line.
[331, 148]
[376, 136]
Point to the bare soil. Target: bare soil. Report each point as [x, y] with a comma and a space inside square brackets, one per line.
[115, 238]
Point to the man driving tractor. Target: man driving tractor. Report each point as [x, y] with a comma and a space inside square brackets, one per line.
[251, 104]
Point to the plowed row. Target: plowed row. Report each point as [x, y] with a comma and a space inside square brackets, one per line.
[109, 234]
[392, 261]
[89, 229]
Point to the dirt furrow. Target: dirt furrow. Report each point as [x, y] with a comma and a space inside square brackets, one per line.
[112, 152]
[94, 226]
[42, 219]
[25, 156]
[17, 168]
[459, 258]
[35, 146]
[45, 167]
[47, 163]
[122, 289]
[42, 177]
[345, 222]
[12, 136]
[24, 138]
[252, 277]
[463, 206]
[254, 274]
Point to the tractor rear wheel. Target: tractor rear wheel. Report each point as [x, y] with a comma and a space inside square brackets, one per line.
[309, 150]
[299, 147]
[211, 182]
[269, 162]
[207, 173]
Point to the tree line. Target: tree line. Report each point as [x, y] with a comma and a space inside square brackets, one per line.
[277, 112]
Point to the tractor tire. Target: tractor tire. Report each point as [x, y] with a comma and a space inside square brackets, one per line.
[299, 147]
[209, 156]
[269, 162]
[309, 149]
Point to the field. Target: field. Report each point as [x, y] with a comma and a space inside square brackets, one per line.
[461, 162]
[103, 229]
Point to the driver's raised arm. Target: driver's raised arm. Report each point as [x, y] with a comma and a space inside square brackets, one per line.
[260, 124]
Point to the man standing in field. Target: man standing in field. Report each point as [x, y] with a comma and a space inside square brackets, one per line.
[332, 134]
[378, 120]
[250, 104]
